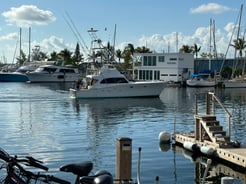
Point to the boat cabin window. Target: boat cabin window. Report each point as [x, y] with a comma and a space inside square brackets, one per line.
[114, 80]
[67, 70]
[46, 69]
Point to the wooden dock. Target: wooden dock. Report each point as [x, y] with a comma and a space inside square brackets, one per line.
[217, 169]
[209, 133]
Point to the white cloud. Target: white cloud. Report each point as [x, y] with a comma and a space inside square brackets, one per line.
[210, 8]
[174, 41]
[53, 43]
[27, 15]
[10, 36]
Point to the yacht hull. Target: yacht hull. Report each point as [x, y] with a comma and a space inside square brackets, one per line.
[13, 77]
[127, 90]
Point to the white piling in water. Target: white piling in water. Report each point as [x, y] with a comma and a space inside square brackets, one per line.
[139, 159]
[227, 180]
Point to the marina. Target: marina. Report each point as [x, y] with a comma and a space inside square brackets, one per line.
[58, 130]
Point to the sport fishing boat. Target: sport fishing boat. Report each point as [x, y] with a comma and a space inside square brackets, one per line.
[53, 73]
[110, 83]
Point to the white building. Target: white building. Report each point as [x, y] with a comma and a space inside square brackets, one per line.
[175, 67]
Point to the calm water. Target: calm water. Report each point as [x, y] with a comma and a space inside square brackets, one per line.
[42, 121]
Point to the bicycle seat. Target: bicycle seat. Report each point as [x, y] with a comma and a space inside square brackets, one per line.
[79, 169]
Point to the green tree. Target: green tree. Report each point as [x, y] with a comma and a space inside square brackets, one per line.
[54, 56]
[66, 55]
[142, 49]
[186, 49]
[22, 58]
[196, 49]
[77, 57]
[239, 45]
[127, 55]
[130, 48]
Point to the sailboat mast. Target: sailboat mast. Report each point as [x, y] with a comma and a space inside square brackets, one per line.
[20, 43]
[210, 47]
[238, 32]
[114, 41]
[29, 54]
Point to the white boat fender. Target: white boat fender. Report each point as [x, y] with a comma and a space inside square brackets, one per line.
[191, 146]
[227, 180]
[164, 137]
[207, 150]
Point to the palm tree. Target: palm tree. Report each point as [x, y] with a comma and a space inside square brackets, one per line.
[142, 49]
[196, 49]
[54, 56]
[66, 55]
[127, 54]
[130, 48]
[239, 45]
[186, 49]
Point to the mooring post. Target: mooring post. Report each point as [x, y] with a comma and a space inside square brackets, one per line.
[207, 104]
[124, 159]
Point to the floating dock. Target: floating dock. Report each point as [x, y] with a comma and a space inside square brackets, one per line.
[210, 139]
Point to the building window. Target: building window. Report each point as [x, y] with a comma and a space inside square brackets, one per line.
[150, 75]
[161, 58]
[156, 75]
[145, 75]
[154, 61]
[173, 59]
[149, 60]
[145, 61]
[140, 74]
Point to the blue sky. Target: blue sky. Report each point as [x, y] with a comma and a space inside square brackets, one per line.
[161, 25]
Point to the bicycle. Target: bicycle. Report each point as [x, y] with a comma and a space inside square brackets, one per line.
[16, 173]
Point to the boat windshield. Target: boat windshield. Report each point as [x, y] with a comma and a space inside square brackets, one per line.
[46, 69]
[114, 80]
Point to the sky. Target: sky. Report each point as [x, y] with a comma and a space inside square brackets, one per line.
[161, 25]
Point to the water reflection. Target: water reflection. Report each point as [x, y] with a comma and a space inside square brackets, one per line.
[41, 119]
[62, 86]
[105, 109]
[107, 118]
[216, 170]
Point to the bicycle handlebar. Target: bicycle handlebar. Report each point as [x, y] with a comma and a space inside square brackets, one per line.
[36, 163]
[28, 160]
[42, 177]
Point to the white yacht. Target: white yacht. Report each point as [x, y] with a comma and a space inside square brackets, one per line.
[53, 73]
[110, 83]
